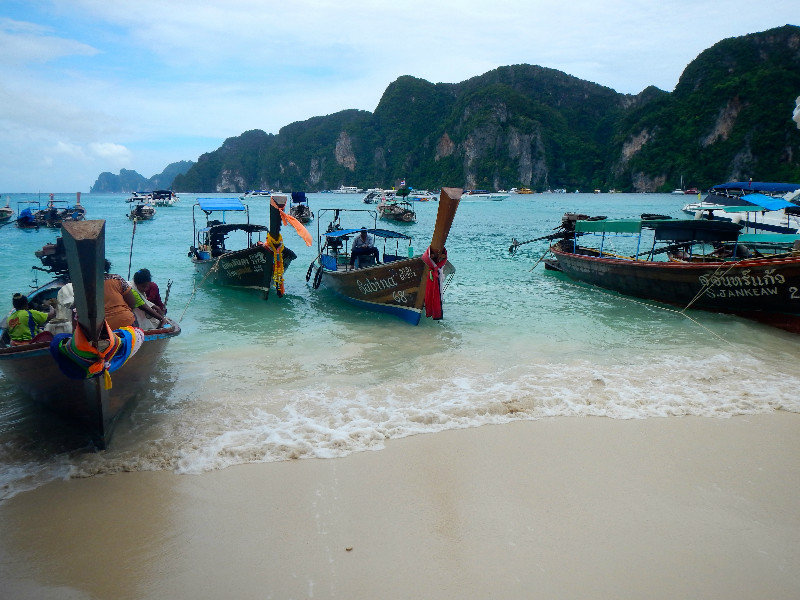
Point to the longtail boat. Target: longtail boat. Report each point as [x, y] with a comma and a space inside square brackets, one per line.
[300, 209]
[88, 374]
[708, 265]
[253, 266]
[397, 283]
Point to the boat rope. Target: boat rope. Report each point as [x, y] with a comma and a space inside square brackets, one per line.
[665, 309]
[710, 281]
[213, 268]
[541, 258]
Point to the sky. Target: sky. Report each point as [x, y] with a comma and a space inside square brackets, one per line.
[88, 86]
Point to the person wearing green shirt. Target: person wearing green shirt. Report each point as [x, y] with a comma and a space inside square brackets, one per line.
[25, 324]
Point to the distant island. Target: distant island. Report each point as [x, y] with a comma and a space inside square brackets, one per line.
[131, 181]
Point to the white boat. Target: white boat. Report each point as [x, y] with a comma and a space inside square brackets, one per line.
[422, 196]
[256, 194]
[164, 197]
[481, 195]
[140, 197]
[346, 189]
[758, 206]
[377, 195]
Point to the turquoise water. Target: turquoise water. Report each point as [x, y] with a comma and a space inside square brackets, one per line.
[310, 376]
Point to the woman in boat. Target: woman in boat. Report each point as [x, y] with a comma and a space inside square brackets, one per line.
[24, 324]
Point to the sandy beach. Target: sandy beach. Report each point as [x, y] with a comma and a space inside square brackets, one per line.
[555, 508]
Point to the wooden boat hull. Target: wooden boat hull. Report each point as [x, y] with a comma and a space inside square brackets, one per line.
[767, 290]
[248, 268]
[34, 372]
[395, 288]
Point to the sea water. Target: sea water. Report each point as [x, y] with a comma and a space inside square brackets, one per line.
[308, 375]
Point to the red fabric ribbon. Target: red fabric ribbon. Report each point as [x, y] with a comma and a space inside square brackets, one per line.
[433, 285]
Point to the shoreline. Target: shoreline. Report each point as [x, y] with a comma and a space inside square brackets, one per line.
[563, 507]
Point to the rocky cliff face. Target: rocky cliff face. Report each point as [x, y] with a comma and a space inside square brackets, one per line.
[532, 126]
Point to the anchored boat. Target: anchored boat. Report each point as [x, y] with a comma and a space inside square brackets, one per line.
[396, 282]
[254, 264]
[703, 264]
[82, 370]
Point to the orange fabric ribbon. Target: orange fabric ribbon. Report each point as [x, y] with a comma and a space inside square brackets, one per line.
[290, 220]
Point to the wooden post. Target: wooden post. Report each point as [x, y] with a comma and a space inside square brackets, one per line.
[275, 215]
[85, 244]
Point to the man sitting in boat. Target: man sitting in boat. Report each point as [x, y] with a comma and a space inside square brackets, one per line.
[363, 245]
[25, 324]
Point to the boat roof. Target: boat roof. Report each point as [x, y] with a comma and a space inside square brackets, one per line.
[225, 228]
[758, 186]
[683, 230]
[298, 197]
[384, 233]
[770, 238]
[212, 204]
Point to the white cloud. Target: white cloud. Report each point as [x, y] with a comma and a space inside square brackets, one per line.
[108, 150]
[22, 43]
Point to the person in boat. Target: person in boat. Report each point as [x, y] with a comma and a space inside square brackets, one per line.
[363, 245]
[25, 325]
[120, 302]
[143, 281]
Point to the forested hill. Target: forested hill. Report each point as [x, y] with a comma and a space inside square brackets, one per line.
[728, 118]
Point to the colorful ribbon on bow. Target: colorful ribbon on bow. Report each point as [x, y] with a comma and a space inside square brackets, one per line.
[78, 359]
[290, 220]
[434, 283]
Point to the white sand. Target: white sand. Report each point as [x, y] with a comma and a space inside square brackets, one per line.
[559, 508]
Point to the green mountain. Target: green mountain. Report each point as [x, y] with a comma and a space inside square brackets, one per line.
[728, 118]
[130, 181]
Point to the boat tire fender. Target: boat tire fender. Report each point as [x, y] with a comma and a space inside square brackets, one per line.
[308, 273]
[317, 277]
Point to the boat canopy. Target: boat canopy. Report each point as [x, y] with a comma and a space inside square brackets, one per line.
[384, 233]
[767, 202]
[674, 230]
[757, 186]
[609, 226]
[208, 205]
[226, 228]
[769, 238]
[298, 197]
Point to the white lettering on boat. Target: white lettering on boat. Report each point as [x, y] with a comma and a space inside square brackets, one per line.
[741, 285]
[400, 297]
[370, 286]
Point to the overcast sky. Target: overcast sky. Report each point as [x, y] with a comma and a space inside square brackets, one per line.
[88, 86]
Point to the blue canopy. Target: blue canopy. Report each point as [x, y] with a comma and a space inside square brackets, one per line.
[767, 202]
[212, 204]
[298, 196]
[384, 233]
[758, 186]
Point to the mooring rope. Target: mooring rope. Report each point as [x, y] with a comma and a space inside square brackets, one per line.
[194, 290]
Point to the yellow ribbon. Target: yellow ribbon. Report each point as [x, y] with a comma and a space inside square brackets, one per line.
[276, 246]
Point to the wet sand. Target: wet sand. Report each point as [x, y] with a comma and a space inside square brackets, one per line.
[557, 508]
